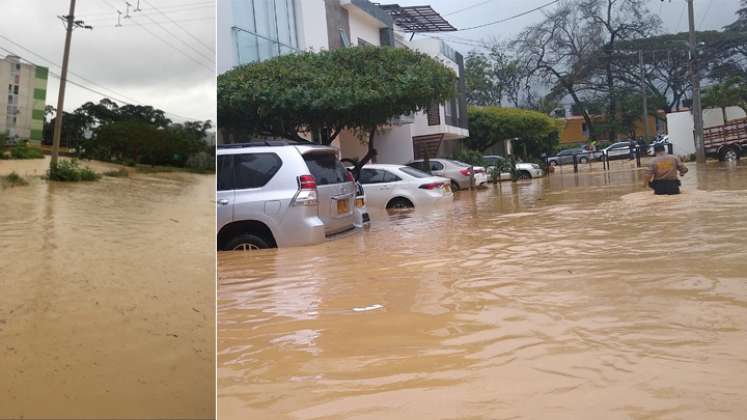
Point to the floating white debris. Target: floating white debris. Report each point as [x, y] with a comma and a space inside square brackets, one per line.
[369, 308]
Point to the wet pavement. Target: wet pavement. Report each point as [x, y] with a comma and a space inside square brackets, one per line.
[569, 297]
[107, 296]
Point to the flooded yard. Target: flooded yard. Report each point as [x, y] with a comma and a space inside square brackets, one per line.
[569, 297]
[107, 302]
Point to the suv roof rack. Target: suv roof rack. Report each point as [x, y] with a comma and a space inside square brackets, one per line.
[265, 143]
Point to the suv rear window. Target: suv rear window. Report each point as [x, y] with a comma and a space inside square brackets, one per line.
[242, 172]
[326, 168]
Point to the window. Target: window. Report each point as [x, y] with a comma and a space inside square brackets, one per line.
[225, 174]
[371, 176]
[377, 176]
[325, 168]
[15, 89]
[264, 29]
[254, 170]
[414, 172]
[418, 165]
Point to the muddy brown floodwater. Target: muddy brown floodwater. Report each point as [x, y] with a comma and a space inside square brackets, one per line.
[107, 296]
[570, 297]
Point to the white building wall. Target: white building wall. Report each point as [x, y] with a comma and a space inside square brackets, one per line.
[227, 56]
[25, 98]
[363, 27]
[394, 145]
[312, 25]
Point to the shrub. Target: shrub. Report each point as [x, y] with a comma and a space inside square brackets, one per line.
[473, 157]
[23, 151]
[71, 171]
[13, 180]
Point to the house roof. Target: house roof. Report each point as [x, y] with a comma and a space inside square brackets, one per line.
[418, 19]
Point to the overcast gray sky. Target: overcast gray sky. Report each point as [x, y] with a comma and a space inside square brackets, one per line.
[709, 14]
[157, 63]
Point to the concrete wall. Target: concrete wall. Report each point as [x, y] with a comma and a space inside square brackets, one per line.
[362, 26]
[394, 145]
[312, 25]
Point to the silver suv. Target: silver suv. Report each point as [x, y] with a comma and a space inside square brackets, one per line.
[281, 193]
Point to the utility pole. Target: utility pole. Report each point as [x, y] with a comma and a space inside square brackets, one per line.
[70, 25]
[695, 80]
[644, 96]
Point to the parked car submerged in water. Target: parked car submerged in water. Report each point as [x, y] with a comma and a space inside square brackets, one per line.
[459, 173]
[398, 187]
[279, 193]
[565, 157]
[525, 170]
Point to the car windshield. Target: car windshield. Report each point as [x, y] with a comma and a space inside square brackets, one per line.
[414, 172]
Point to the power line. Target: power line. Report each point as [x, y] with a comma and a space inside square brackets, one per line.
[100, 25]
[469, 7]
[512, 17]
[210, 59]
[209, 48]
[708, 9]
[82, 86]
[174, 9]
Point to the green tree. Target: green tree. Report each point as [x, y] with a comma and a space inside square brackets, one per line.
[732, 92]
[323, 93]
[535, 131]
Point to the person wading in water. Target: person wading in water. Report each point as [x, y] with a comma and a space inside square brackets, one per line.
[662, 172]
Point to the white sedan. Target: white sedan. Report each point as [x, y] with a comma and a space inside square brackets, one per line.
[399, 187]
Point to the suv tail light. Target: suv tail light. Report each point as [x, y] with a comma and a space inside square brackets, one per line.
[466, 171]
[432, 186]
[307, 194]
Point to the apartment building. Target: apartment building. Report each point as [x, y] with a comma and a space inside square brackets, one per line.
[255, 30]
[22, 108]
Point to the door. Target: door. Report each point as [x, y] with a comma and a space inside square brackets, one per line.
[225, 193]
[335, 189]
[378, 191]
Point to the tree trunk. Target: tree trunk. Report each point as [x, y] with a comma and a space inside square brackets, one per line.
[369, 155]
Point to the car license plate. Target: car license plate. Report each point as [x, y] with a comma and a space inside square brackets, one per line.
[342, 206]
[359, 202]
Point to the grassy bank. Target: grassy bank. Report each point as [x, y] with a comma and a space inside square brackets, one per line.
[12, 180]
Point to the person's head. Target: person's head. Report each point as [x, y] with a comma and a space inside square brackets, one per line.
[659, 149]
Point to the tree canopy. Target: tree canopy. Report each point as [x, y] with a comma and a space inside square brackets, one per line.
[359, 88]
[490, 125]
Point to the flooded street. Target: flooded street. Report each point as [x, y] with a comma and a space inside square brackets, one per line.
[570, 297]
[107, 302]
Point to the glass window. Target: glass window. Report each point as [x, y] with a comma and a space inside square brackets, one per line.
[254, 170]
[15, 90]
[390, 177]
[414, 172]
[266, 29]
[326, 168]
[420, 165]
[371, 176]
[436, 166]
[225, 175]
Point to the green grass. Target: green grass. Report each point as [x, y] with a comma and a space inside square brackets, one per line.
[23, 151]
[71, 171]
[118, 173]
[13, 180]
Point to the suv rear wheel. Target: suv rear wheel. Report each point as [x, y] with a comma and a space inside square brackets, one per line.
[247, 242]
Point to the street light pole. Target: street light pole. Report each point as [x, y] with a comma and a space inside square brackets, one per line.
[70, 18]
[695, 80]
[644, 95]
